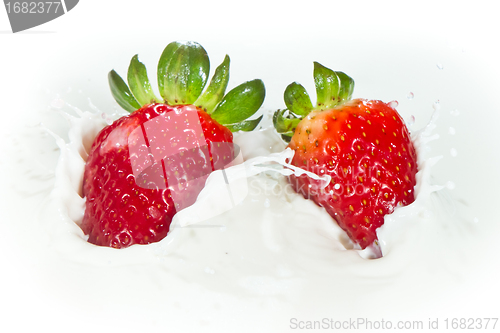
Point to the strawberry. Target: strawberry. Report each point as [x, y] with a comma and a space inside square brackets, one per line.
[363, 145]
[148, 165]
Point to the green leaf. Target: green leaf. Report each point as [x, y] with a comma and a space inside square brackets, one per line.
[297, 100]
[216, 89]
[240, 103]
[327, 87]
[246, 126]
[121, 92]
[285, 124]
[186, 74]
[165, 59]
[139, 83]
[346, 87]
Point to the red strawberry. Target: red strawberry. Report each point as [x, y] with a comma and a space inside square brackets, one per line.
[363, 145]
[146, 166]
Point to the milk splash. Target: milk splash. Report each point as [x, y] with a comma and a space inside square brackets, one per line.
[85, 125]
[273, 254]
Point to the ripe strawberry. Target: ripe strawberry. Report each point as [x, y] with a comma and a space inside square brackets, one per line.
[363, 145]
[148, 165]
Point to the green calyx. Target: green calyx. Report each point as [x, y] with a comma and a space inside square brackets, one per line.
[332, 89]
[183, 71]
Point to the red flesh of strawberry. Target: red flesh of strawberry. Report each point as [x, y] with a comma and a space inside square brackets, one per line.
[366, 149]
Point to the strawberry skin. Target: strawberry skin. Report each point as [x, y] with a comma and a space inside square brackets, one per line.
[145, 167]
[366, 149]
[363, 145]
[118, 211]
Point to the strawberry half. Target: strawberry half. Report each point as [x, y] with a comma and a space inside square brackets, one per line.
[363, 145]
[148, 165]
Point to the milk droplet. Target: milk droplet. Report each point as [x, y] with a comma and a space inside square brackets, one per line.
[436, 106]
[57, 103]
[426, 214]
[336, 186]
[439, 65]
[411, 121]
[453, 152]
[451, 130]
[454, 112]
[393, 104]
[107, 119]
[410, 95]
[208, 270]
[476, 220]
[223, 228]
[450, 185]
[267, 203]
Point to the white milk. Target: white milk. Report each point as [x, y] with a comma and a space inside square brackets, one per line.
[274, 260]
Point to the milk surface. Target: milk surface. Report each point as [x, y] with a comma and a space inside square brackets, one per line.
[274, 260]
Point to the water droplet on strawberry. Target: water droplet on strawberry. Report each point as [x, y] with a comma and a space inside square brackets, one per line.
[410, 95]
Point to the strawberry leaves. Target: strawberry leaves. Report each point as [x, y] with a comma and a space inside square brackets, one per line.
[182, 72]
[297, 99]
[240, 103]
[138, 81]
[163, 63]
[216, 89]
[246, 126]
[332, 89]
[185, 75]
[121, 92]
[285, 123]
